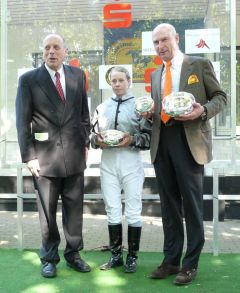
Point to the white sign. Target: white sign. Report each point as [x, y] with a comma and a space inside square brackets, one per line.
[104, 82]
[202, 41]
[147, 44]
[216, 66]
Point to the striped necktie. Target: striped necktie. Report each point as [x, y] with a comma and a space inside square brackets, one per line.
[59, 87]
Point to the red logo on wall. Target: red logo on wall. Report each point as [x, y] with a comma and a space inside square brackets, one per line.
[115, 19]
[202, 44]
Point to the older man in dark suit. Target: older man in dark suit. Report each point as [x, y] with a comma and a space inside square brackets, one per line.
[53, 132]
[179, 149]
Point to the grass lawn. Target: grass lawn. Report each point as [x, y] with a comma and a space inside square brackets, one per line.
[20, 273]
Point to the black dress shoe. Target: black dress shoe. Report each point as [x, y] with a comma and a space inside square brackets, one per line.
[79, 265]
[49, 270]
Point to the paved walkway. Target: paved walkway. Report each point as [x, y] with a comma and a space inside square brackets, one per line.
[96, 235]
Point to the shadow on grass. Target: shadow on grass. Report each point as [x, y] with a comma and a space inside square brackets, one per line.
[20, 273]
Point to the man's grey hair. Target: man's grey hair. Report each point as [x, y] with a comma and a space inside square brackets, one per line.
[169, 26]
[56, 35]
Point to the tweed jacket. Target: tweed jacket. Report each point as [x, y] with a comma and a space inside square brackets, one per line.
[198, 78]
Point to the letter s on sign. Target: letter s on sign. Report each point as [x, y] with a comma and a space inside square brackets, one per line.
[114, 19]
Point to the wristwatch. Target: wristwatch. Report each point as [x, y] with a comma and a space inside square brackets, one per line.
[204, 114]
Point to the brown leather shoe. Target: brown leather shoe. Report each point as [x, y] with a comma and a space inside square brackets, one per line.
[185, 276]
[164, 270]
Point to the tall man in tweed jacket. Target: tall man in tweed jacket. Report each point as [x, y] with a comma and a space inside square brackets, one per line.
[179, 149]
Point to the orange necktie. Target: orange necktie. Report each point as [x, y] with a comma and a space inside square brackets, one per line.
[167, 90]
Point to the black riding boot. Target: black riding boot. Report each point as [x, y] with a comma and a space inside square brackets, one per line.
[134, 235]
[115, 236]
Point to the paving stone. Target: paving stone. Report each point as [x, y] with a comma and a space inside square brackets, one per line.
[95, 233]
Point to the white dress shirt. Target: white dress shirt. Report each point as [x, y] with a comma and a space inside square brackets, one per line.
[62, 77]
[176, 67]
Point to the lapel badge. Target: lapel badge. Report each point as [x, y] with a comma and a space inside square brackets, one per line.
[192, 79]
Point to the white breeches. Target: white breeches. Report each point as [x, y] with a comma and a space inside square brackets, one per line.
[122, 169]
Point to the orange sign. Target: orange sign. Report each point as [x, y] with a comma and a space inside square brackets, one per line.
[75, 62]
[115, 19]
[87, 79]
[147, 79]
[147, 74]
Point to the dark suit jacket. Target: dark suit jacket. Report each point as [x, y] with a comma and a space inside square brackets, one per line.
[206, 91]
[54, 133]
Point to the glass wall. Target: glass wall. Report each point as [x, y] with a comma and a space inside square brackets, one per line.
[103, 33]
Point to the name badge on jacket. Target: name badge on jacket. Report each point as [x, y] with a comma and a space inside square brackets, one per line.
[41, 136]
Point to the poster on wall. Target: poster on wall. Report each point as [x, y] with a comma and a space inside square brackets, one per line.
[104, 70]
[147, 44]
[124, 45]
[202, 41]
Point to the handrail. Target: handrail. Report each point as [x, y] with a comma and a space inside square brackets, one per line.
[216, 170]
